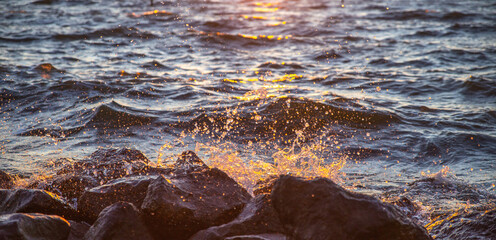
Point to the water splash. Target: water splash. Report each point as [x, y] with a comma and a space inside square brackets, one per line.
[247, 170]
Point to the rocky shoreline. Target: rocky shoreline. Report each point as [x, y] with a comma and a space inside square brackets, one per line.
[116, 194]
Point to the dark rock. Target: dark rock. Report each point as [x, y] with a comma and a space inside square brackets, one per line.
[320, 209]
[6, 181]
[129, 189]
[78, 230]
[71, 186]
[34, 201]
[179, 206]
[121, 220]
[471, 224]
[258, 218]
[188, 161]
[294, 208]
[33, 226]
[108, 164]
[274, 236]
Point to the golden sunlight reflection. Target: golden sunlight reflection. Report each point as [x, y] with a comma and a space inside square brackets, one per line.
[303, 163]
[259, 9]
[247, 36]
[148, 13]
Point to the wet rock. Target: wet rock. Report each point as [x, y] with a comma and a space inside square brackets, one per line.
[258, 220]
[294, 208]
[34, 201]
[6, 181]
[269, 236]
[133, 188]
[121, 220]
[33, 226]
[188, 161]
[78, 230]
[48, 68]
[179, 206]
[320, 209]
[71, 186]
[475, 224]
[108, 164]
[129, 189]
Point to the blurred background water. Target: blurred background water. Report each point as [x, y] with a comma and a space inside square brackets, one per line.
[379, 95]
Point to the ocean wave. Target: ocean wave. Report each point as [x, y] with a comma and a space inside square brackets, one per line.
[8, 95]
[479, 86]
[328, 55]
[455, 15]
[54, 133]
[274, 65]
[117, 32]
[483, 28]
[114, 115]
[155, 65]
[85, 86]
[240, 40]
[19, 39]
[288, 118]
[407, 15]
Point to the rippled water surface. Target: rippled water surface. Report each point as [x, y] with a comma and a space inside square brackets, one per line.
[379, 95]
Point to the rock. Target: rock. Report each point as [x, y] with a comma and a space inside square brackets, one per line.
[464, 224]
[293, 208]
[71, 186]
[320, 209]
[33, 226]
[121, 220]
[179, 206]
[108, 164]
[6, 181]
[188, 161]
[259, 237]
[133, 189]
[129, 189]
[78, 230]
[34, 201]
[258, 218]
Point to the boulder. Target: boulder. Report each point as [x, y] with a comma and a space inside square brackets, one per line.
[33, 226]
[258, 220]
[134, 187]
[188, 161]
[71, 186]
[121, 220]
[176, 207]
[78, 230]
[129, 189]
[34, 201]
[108, 164]
[294, 208]
[274, 236]
[6, 181]
[320, 209]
